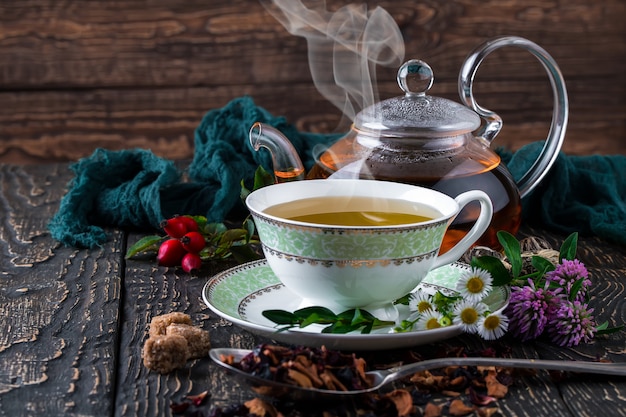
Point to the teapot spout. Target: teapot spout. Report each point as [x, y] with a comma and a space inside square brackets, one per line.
[287, 163]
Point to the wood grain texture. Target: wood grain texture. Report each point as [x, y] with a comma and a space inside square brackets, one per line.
[82, 74]
[59, 306]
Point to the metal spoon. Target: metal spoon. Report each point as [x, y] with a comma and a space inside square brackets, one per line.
[380, 378]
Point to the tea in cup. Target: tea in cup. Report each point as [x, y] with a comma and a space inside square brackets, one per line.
[343, 243]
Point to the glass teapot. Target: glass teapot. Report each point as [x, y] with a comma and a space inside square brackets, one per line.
[433, 142]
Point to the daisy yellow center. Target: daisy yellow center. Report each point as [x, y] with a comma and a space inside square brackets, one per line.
[475, 285]
[469, 316]
[432, 323]
[423, 306]
[492, 322]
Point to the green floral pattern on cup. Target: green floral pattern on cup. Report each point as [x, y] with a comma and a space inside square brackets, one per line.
[332, 243]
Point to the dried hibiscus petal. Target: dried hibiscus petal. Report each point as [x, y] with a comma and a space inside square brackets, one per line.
[179, 408]
[198, 399]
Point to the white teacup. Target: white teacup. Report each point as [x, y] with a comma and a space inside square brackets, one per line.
[366, 266]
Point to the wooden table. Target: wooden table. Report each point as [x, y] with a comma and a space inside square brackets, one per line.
[73, 323]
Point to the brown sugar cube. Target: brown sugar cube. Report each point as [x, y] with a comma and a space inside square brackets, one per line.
[197, 339]
[160, 323]
[165, 353]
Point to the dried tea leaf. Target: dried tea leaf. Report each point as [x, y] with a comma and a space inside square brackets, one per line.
[402, 400]
[432, 410]
[458, 408]
[300, 378]
[459, 381]
[427, 380]
[309, 370]
[331, 381]
[260, 408]
[494, 387]
[486, 412]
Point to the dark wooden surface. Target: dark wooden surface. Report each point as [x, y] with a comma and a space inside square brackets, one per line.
[73, 323]
[81, 74]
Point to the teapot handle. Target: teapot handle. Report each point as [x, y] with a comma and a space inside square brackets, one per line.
[493, 123]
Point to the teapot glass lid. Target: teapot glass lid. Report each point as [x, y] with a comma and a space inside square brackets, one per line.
[415, 113]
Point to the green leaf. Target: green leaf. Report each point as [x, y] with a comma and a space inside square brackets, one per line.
[499, 273]
[340, 327]
[314, 318]
[361, 317]
[262, 178]
[280, 317]
[249, 225]
[512, 250]
[576, 286]
[323, 314]
[233, 235]
[244, 253]
[378, 322]
[405, 300]
[367, 329]
[443, 303]
[347, 315]
[144, 244]
[214, 229]
[605, 329]
[200, 220]
[244, 192]
[542, 265]
[569, 247]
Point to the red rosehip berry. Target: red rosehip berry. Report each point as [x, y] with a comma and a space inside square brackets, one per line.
[174, 227]
[192, 225]
[191, 261]
[170, 253]
[193, 242]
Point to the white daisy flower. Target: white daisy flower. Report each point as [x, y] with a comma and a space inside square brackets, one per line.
[431, 319]
[493, 326]
[467, 314]
[421, 302]
[475, 284]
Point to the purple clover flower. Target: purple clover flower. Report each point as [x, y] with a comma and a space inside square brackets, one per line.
[567, 273]
[571, 324]
[531, 308]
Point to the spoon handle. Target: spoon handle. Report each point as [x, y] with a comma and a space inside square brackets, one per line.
[604, 368]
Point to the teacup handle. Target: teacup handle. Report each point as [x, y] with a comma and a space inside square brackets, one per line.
[481, 225]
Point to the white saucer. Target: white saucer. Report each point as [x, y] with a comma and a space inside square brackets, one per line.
[242, 293]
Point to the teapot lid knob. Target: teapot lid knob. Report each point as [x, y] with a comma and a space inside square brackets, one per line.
[415, 77]
[416, 114]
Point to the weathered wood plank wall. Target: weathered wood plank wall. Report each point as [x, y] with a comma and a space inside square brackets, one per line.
[81, 74]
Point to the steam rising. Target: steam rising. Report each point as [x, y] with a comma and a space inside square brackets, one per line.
[344, 48]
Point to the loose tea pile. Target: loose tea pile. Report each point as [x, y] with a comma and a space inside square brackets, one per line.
[305, 367]
[453, 390]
